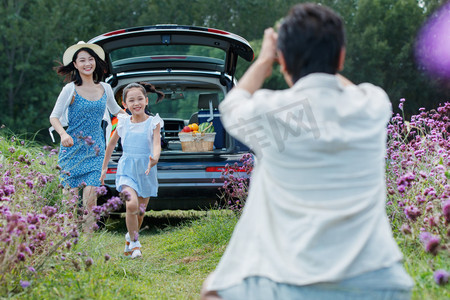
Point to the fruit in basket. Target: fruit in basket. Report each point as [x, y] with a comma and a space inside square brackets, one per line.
[206, 127]
[186, 129]
[193, 126]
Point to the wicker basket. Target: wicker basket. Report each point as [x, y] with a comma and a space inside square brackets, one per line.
[197, 142]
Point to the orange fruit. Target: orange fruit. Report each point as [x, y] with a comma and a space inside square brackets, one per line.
[194, 127]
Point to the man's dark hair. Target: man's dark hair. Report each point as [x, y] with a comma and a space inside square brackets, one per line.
[311, 38]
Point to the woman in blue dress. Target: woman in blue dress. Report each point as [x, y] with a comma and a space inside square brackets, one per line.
[80, 107]
[136, 172]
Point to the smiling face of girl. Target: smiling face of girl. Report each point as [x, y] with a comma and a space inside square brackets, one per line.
[136, 102]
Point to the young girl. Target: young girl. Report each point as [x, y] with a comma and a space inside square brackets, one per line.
[81, 106]
[141, 142]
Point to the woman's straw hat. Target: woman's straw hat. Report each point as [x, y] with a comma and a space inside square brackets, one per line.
[68, 54]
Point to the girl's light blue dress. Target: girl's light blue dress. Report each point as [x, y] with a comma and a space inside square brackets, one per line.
[82, 163]
[137, 145]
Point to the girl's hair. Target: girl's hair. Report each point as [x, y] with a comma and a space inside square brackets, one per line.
[145, 88]
[71, 73]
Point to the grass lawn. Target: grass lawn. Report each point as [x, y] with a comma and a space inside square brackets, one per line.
[176, 260]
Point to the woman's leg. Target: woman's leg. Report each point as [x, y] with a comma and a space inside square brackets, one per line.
[89, 201]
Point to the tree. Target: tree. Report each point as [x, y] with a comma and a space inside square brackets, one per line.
[380, 49]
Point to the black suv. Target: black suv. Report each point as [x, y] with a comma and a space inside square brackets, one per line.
[195, 68]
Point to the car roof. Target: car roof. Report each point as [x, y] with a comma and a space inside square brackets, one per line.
[174, 47]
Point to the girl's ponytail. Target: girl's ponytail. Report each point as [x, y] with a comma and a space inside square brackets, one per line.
[150, 88]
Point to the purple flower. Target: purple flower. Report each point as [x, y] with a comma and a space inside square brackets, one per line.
[430, 242]
[107, 257]
[88, 140]
[412, 212]
[24, 284]
[446, 210]
[88, 262]
[49, 211]
[20, 256]
[29, 183]
[9, 189]
[405, 229]
[142, 208]
[12, 149]
[441, 277]
[101, 190]
[125, 196]
[97, 150]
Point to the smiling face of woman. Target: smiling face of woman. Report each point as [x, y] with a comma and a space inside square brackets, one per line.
[85, 63]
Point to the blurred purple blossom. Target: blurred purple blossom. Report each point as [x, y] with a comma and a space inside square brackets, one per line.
[441, 277]
[433, 42]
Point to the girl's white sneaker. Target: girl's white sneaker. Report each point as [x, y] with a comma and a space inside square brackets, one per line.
[127, 251]
[136, 253]
[136, 249]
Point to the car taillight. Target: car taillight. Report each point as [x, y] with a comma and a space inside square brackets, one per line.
[115, 32]
[111, 171]
[217, 31]
[221, 169]
[215, 169]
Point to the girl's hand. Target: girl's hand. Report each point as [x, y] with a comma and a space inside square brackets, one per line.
[66, 140]
[102, 177]
[151, 164]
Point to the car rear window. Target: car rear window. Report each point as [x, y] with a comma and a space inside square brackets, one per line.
[179, 107]
[121, 55]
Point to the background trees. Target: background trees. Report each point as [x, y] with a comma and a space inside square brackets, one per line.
[34, 34]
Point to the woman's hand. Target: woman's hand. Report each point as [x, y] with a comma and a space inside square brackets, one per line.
[103, 176]
[151, 164]
[66, 140]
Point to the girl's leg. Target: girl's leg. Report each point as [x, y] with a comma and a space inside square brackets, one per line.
[132, 212]
[143, 202]
[89, 201]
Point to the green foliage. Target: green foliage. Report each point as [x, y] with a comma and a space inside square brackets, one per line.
[34, 34]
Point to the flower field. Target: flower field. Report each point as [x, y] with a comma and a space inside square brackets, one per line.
[41, 227]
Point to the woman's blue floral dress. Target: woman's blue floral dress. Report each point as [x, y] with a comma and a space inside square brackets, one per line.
[82, 163]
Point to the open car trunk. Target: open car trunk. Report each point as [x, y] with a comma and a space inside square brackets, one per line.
[187, 100]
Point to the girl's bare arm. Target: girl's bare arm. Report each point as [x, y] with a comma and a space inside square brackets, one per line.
[109, 150]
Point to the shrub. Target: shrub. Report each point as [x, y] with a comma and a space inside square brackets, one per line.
[417, 178]
[234, 190]
[37, 220]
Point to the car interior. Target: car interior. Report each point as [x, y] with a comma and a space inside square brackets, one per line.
[183, 105]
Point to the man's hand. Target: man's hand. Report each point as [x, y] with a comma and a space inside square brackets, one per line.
[254, 78]
[268, 54]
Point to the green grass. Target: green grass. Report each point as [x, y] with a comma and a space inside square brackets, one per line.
[175, 261]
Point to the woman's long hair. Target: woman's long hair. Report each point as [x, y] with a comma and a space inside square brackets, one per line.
[70, 73]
